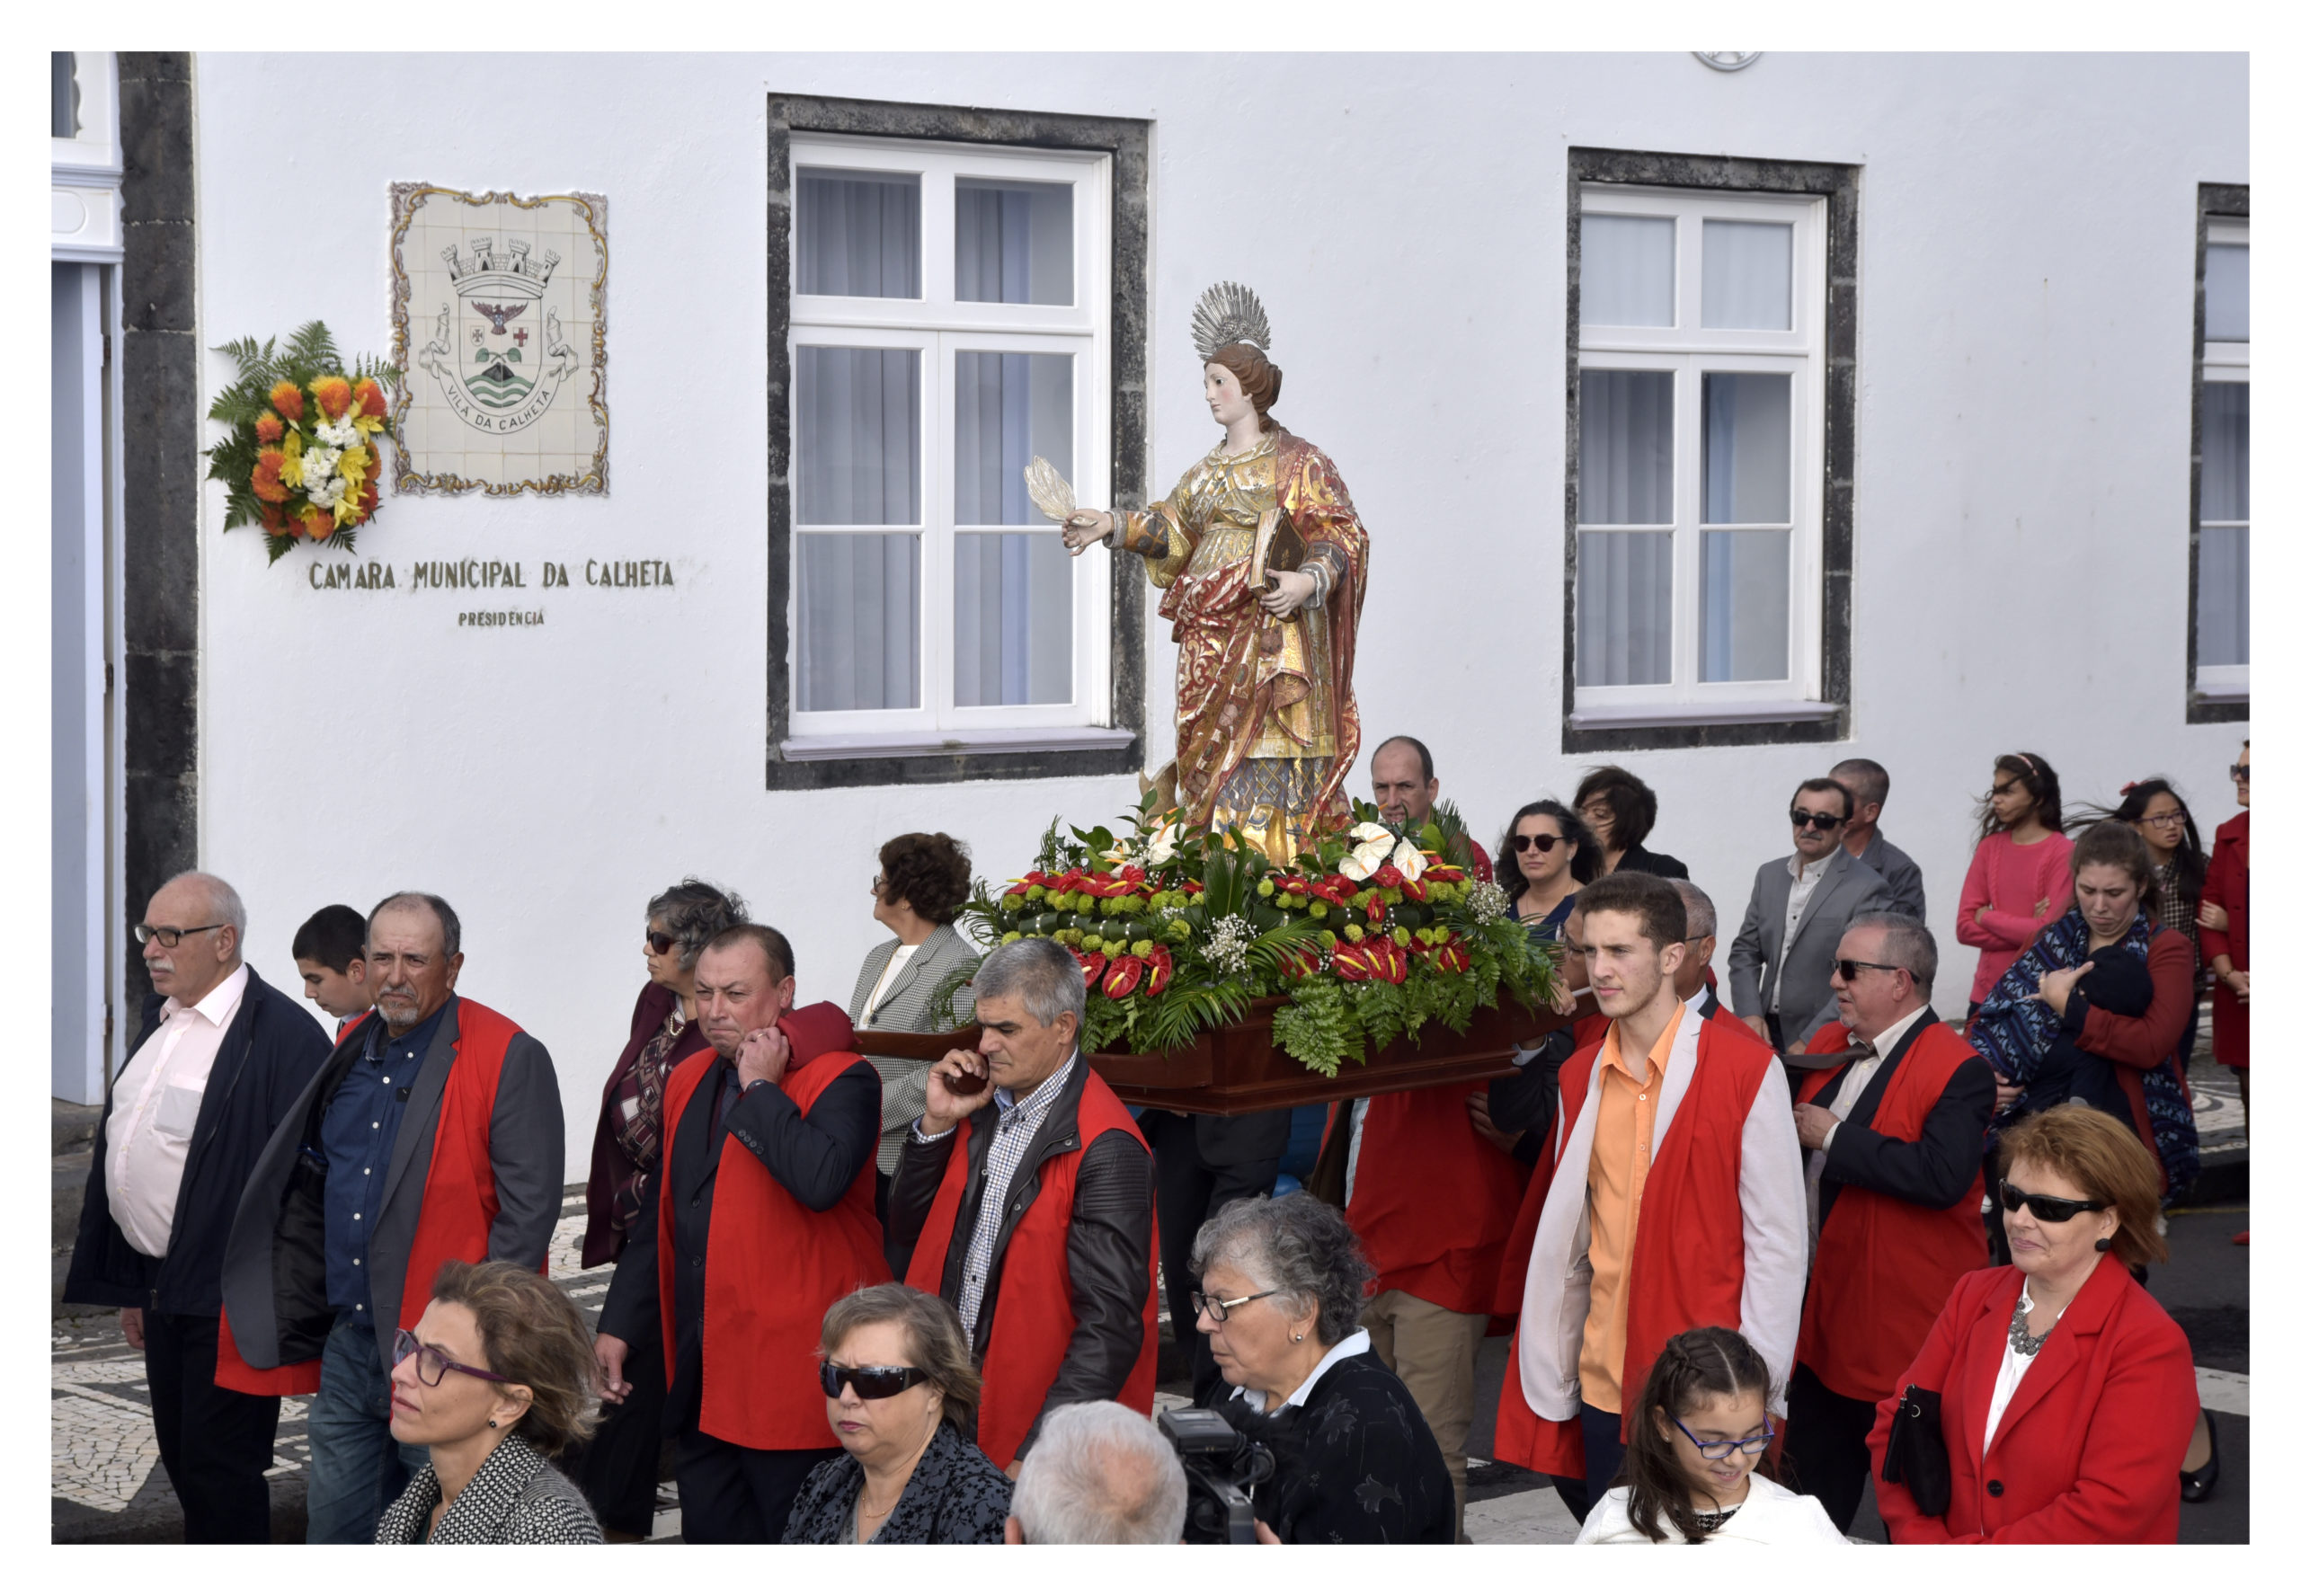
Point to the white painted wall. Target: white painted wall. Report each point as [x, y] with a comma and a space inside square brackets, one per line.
[2026, 258]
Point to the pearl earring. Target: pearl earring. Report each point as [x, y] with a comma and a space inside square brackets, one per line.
[1298, 1337]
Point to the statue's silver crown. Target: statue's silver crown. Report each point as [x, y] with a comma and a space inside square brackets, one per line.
[1228, 313]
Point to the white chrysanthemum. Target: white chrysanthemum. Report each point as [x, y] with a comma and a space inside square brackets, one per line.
[321, 462]
[1369, 831]
[1227, 944]
[1409, 860]
[339, 435]
[1487, 902]
[323, 491]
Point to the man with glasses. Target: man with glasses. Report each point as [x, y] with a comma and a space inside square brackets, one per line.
[1892, 1131]
[1800, 905]
[432, 1132]
[761, 1217]
[220, 1057]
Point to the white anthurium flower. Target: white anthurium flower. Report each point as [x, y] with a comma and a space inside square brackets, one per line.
[1372, 855]
[1409, 860]
[1119, 853]
[1369, 831]
[1161, 847]
[1356, 868]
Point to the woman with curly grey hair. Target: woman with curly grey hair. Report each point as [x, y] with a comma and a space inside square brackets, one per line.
[618, 1468]
[1282, 1282]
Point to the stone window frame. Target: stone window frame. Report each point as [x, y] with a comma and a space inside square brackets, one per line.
[1829, 719]
[2213, 200]
[1026, 757]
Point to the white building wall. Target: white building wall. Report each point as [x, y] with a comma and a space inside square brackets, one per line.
[2025, 299]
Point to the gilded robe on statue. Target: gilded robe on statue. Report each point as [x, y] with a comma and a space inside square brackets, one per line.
[1266, 723]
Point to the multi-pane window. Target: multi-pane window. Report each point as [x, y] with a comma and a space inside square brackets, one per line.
[2225, 507]
[1699, 461]
[950, 320]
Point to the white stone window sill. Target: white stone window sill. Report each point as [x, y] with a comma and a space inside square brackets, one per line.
[896, 745]
[2224, 693]
[1708, 713]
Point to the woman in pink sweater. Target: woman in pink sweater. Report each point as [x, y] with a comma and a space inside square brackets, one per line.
[2019, 881]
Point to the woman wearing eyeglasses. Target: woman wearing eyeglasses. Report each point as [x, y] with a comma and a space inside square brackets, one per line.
[1696, 1469]
[1547, 855]
[901, 1394]
[2019, 881]
[1282, 1282]
[496, 1379]
[618, 1466]
[2067, 1396]
[924, 877]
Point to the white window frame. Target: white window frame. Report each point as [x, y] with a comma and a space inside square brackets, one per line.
[2225, 363]
[84, 219]
[939, 325]
[1689, 350]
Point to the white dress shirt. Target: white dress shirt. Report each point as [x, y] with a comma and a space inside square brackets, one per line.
[2010, 1371]
[1803, 883]
[896, 962]
[156, 1103]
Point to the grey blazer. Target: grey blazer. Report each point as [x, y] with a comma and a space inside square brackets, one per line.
[1905, 882]
[1798, 986]
[279, 1212]
[902, 1081]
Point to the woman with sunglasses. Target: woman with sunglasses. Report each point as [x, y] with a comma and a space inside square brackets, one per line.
[2067, 1396]
[617, 1467]
[1546, 856]
[2019, 880]
[1355, 1462]
[901, 1394]
[496, 1379]
[1696, 1470]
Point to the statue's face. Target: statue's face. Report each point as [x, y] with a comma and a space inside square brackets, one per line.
[1225, 397]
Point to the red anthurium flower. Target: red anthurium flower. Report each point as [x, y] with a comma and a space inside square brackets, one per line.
[1293, 884]
[1163, 967]
[1389, 875]
[1125, 974]
[1133, 872]
[1413, 889]
[1374, 911]
[1092, 964]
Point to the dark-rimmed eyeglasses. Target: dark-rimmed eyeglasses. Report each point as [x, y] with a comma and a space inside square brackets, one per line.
[1218, 1309]
[2174, 819]
[1541, 842]
[661, 942]
[167, 936]
[1819, 823]
[873, 1382]
[1717, 1451]
[2053, 1211]
[1847, 969]
[431, 1364]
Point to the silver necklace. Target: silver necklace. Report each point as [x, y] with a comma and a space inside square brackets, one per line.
[2017, 1331]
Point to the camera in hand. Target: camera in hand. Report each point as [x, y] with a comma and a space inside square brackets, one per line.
[1220, 1466]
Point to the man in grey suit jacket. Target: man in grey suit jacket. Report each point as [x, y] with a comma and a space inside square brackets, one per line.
[318, 1266]
[1867, 780]
[1780, 967]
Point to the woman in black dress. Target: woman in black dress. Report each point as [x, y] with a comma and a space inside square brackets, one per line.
[1620, 810]
[1282, 1282]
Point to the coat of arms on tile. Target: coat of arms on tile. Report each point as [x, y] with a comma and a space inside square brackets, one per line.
[498, 319]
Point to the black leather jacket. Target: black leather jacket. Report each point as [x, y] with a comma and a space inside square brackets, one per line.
[1110, 1250]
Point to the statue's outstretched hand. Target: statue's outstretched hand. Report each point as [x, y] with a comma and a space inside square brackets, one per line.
[1086, 528]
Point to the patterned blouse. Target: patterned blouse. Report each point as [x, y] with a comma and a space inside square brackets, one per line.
[956, 1496]
[516, 1499]
[1358, 1464]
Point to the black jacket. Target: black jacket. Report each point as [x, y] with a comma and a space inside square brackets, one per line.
[1643, 858]
[955, 1496]
[1936, 1170]
[1356, 1463]
[1109, 1248]
[269, 1051]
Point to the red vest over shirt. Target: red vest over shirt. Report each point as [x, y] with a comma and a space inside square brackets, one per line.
[772, 1265]
[1884, 1267]
[1686, 1261]
[1433, 1200]
[1032, 1320]
[459, 1204]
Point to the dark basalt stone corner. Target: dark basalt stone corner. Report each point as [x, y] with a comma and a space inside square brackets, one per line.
[155, 66]
[155, 149]
[787, 776]
[155, 287]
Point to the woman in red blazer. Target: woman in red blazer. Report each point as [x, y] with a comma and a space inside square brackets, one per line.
[2067, 1394]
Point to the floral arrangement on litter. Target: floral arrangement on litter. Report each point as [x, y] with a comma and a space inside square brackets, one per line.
[1370, 935]
[301, 459]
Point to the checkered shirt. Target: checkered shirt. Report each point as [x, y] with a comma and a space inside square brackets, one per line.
[1019, 1123]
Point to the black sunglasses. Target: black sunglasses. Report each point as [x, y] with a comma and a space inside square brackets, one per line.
[1847, 967]
[1819, 823]
[2244, 773]
[2053, 1211]
[873, 1383]
[661, 942]
[1541, 842]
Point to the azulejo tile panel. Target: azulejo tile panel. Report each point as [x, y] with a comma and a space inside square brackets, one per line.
[498, 320]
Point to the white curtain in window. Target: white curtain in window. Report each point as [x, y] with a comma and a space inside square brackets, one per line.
[857, 234]
[1013, 242]
[1745, 447]
[1629, 271]
[1745, 275]
[1745, 606]
[858, 620]
[858, 465]
[1625, 449]
[1744, 575]
[857, 411]
[1622, 608]
[2228, 293]
[1011, 633]
[2224, 553]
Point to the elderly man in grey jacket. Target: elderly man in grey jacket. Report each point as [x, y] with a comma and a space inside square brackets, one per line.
[1780, 967]
[433, 1131]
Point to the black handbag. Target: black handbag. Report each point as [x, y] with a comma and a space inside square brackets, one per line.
[1917, 1456]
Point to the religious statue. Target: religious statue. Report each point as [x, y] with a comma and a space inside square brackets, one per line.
[1263, 562]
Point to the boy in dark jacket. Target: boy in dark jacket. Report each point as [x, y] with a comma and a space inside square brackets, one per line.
[221, 1058]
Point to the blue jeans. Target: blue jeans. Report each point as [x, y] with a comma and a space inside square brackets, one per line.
[358, 1469]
